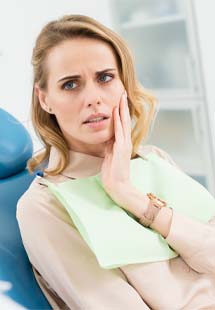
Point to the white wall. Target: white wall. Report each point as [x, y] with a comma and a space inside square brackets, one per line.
[20, 23]
[205, 25]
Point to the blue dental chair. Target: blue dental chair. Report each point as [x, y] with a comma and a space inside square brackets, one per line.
[15, 269]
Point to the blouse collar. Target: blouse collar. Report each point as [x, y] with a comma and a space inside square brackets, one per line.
[80, 164]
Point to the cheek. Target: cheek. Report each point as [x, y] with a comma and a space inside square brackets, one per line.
[67, 116]
[63, 107]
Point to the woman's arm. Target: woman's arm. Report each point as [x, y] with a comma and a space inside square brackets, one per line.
[59, 253]
[194, 241]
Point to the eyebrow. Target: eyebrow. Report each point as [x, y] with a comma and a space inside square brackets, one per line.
[79, 76]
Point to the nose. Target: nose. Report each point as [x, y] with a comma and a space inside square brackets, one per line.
[94, 103]
[92, 96]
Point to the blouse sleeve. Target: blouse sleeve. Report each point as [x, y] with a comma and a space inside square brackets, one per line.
[61, 256]
[194, 241]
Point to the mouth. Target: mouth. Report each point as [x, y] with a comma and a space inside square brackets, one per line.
[96, 120]
[98, 123]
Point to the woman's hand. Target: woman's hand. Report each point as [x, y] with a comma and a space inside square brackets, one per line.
[115, 170]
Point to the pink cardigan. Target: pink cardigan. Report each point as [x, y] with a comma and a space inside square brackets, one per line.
[70, 277]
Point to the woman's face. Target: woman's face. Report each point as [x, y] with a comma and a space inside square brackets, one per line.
[97, 88]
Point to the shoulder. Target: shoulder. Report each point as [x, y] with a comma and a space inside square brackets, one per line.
[37, 192]
[36, 202]
[144, 150]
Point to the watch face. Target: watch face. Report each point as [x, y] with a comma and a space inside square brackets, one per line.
[156, 201]
[151, 196]
[159, 203]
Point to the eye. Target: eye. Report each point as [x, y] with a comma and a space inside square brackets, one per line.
[107, 75]
[67, 85]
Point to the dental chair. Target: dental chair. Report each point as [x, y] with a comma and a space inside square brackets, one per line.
[16, 273]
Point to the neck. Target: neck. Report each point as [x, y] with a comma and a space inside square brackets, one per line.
[94, 150]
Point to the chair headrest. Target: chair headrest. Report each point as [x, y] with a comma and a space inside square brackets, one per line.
[16, 145]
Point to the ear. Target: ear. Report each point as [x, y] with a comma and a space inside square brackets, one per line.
[42, 96]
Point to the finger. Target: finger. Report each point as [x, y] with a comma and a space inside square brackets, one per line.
[119, 136]
[125, 117]
[124, 111]
[108, 155]
[109, 146]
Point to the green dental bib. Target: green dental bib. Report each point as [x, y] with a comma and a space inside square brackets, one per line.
[111, 232]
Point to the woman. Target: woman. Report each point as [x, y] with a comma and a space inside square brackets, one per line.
[82, 73]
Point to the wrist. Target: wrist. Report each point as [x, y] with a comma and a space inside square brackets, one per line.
[133, 200]
[162, 222]
[137, 203]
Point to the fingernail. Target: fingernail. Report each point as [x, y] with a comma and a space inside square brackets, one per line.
[124, 96]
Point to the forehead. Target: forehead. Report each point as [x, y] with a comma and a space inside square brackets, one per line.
[79, 54]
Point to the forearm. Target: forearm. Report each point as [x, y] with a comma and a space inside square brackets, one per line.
[193, 240]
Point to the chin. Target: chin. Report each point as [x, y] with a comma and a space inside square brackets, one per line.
[100, 137]
[99, 141]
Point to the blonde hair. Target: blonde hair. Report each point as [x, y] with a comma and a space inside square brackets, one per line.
[141, 103]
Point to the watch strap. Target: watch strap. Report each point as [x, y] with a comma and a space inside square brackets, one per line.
[153, 208]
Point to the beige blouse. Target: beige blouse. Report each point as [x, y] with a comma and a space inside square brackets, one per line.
[70, 276]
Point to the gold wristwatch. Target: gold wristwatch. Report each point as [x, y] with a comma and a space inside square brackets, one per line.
[153, 208]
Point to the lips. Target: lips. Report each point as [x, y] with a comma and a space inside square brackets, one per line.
[95, 116]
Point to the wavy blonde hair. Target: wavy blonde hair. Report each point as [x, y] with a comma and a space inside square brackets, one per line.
[141, 104]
